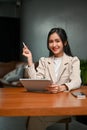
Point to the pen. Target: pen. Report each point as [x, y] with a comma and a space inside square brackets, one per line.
[24, 44]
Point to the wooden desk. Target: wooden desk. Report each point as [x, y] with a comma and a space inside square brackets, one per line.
[19, 102]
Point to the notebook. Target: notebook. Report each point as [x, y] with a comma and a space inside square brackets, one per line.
[35, 84]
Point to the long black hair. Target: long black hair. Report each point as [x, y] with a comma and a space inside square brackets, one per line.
[62, 34]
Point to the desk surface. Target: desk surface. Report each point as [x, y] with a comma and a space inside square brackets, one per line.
[19, 102]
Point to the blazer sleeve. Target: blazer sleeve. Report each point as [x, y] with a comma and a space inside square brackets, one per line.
[75, 78]
[39, 72]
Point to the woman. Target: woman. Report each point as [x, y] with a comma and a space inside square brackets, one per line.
[60, 67]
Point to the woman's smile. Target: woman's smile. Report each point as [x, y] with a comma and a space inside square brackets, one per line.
[55, 48]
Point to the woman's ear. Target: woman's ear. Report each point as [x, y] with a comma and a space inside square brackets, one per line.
[65, 43]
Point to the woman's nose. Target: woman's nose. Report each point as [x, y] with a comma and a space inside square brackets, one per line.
[54, 43]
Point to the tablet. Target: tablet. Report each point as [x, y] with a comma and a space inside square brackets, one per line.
[35, 84]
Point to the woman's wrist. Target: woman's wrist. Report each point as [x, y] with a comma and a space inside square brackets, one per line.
[30, 62]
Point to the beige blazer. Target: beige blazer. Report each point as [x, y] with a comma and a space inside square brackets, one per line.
[69, 72]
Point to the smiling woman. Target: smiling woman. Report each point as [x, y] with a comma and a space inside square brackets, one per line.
[60, 67]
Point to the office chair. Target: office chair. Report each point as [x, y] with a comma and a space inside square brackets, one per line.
[66, 120]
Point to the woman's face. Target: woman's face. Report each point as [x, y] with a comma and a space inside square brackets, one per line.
[56, 45]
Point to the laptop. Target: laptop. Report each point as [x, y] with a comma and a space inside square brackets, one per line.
[35, 84]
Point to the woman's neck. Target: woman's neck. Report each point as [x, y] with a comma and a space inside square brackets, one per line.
[59, 55]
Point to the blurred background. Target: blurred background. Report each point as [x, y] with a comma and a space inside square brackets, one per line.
[30, 21]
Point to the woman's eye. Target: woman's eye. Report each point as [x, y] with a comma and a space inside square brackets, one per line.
[57, 40]
[50, 41]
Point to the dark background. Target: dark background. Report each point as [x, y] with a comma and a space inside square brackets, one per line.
[9, 39]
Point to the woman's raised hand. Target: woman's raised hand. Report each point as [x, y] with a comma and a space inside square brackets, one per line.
[27, 53]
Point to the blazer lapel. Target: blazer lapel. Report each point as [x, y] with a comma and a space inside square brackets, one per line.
[62, 66]
[51, 69]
